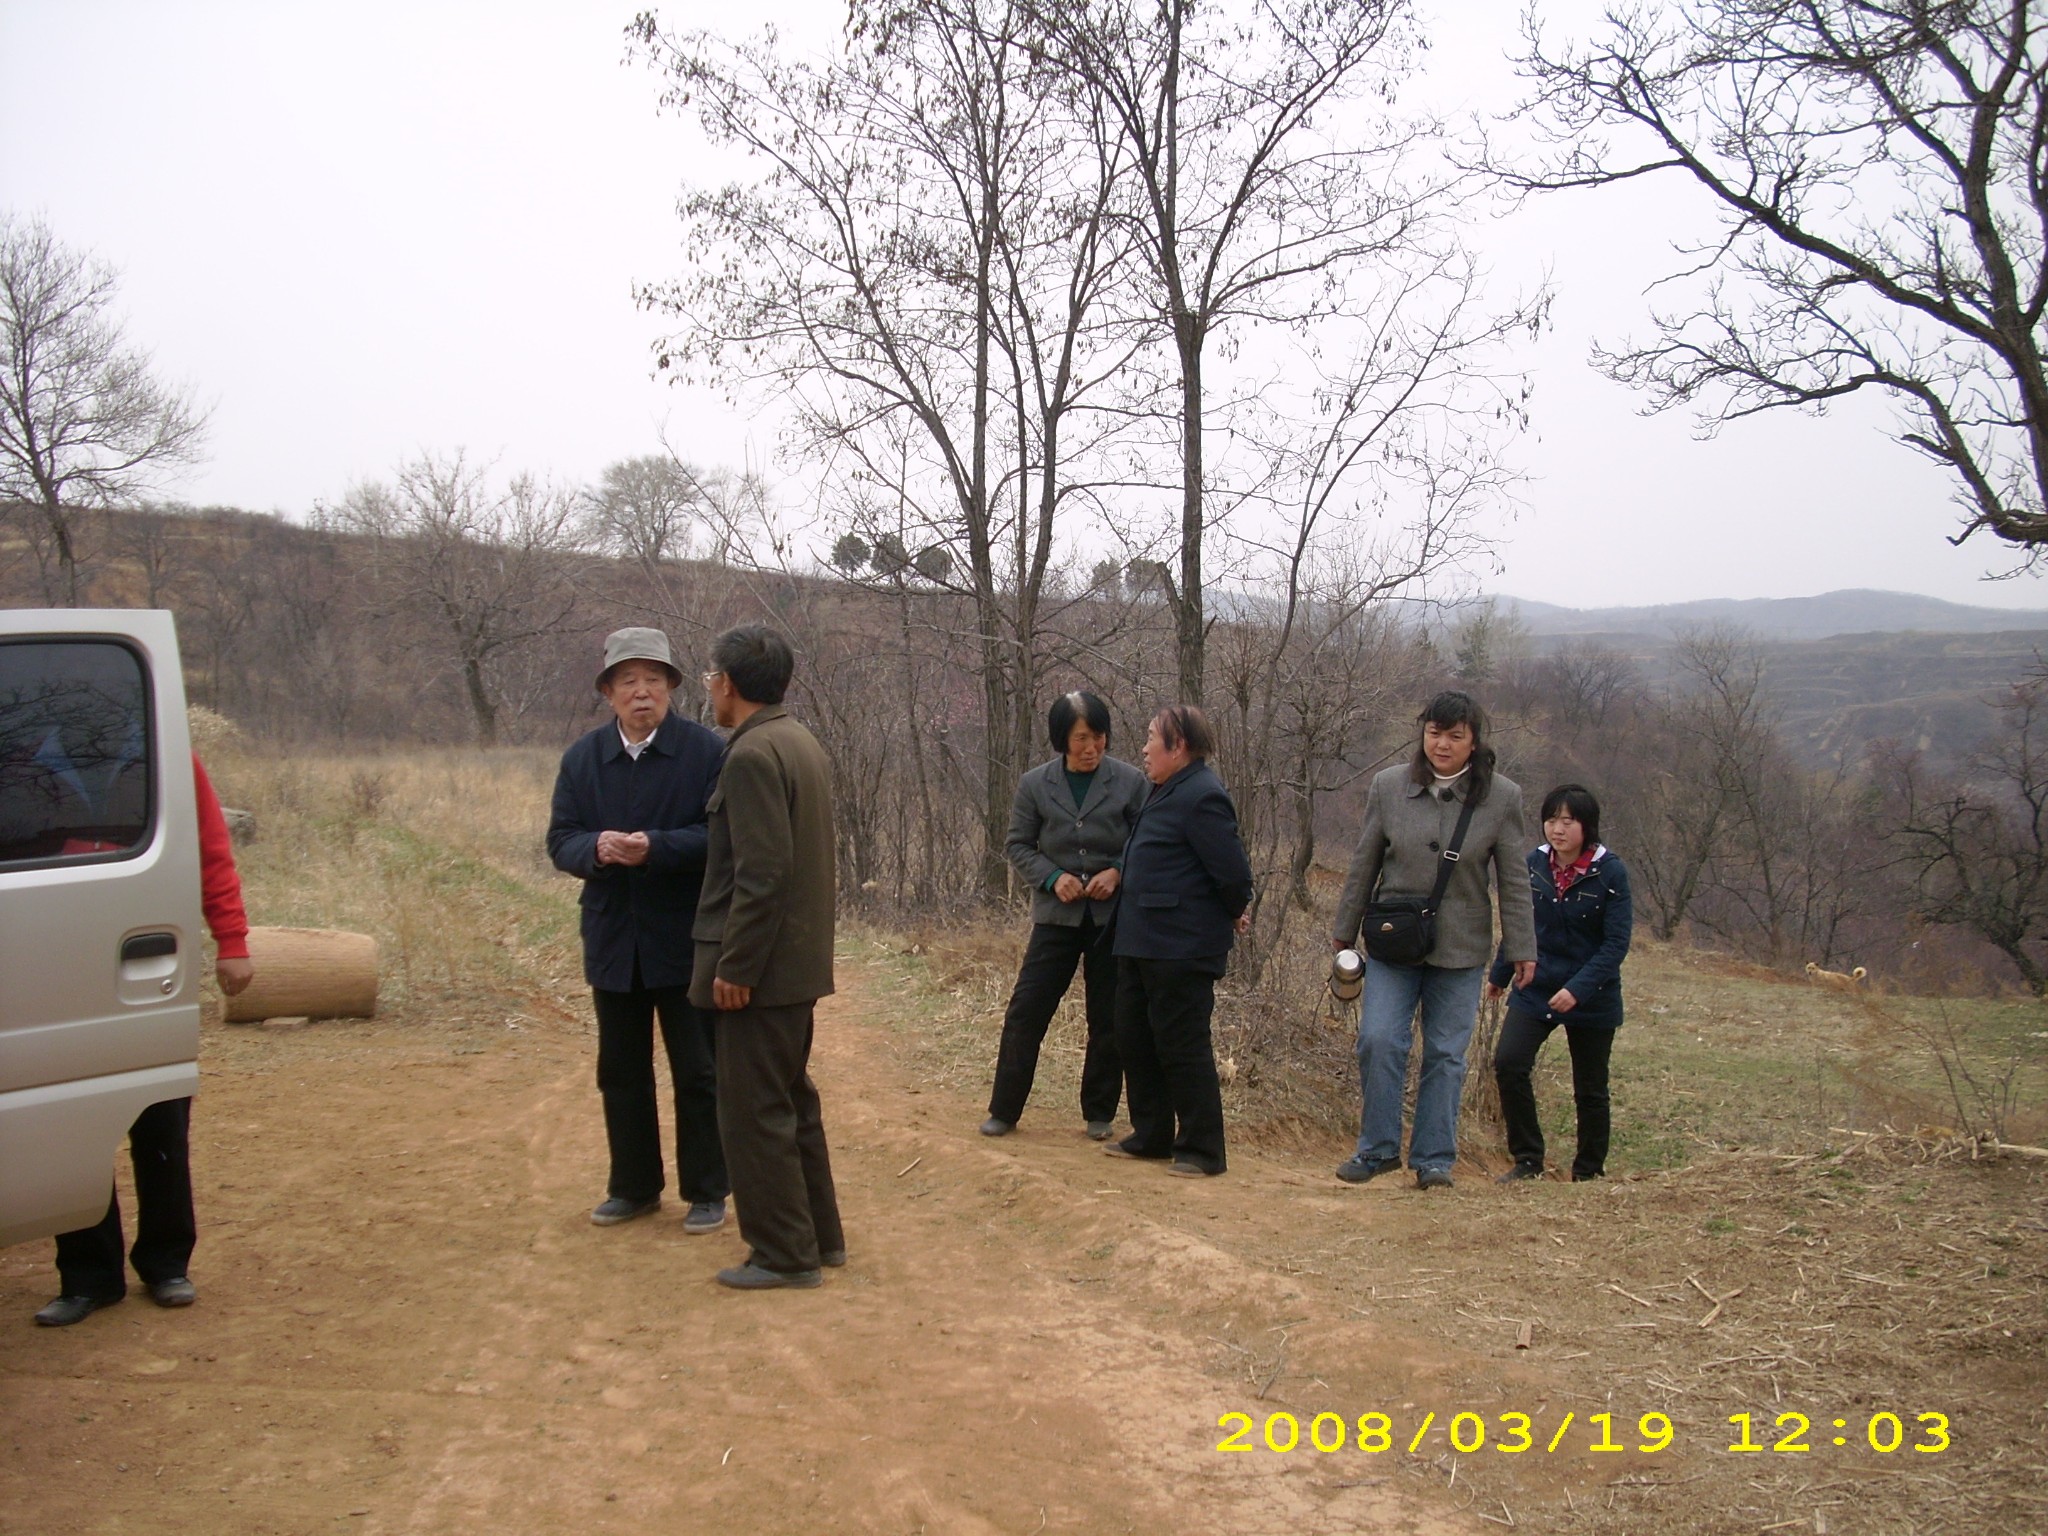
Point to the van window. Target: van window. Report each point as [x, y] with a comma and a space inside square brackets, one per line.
[74, 751]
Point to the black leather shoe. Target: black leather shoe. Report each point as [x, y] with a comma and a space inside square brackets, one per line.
[1432, 1178]
[1362, 1170]
[834, 1258]
[66, 1310]
[173, 1293]
[752, 1277]
[616, 1210]
[1520, 1172]
[994, 1127]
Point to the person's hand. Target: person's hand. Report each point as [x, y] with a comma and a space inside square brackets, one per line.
[233, 974]
[726, 996]
[622, 847]
[1525, 972]
[1067, 888]
[1244, 922]
[1103, 885]
[1495, 994]
[1563, 1001]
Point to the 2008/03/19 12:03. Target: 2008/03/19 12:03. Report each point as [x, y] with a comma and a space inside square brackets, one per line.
[1883, 1432]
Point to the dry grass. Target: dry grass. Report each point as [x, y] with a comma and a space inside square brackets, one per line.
[437, 854]
[1856, 1274]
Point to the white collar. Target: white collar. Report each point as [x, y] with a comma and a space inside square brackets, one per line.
[635, 748]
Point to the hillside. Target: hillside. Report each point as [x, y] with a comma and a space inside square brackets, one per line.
[1853, 612]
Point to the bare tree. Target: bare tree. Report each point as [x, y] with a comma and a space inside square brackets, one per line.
[1977, 845]
[645, 509]
[1249, 211]
[1374, 488]
[920, 275]
[158, 541]
[483, 566]
[84, 422]
[1879, 169]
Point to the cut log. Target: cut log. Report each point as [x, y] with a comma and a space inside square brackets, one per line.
[315, 973]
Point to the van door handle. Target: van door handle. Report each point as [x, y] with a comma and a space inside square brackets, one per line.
[149, 946]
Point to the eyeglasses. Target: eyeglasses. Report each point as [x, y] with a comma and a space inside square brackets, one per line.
[708, 676]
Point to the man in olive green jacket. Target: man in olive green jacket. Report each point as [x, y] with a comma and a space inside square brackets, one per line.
[764, 958]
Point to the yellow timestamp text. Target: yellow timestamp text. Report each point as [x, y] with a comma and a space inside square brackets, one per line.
[1511, 1434]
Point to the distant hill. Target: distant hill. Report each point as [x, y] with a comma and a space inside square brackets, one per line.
[1854, 612]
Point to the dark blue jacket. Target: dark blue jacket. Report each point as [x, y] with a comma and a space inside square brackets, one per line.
[1186, 877]
[1581, 940]
[642, 912]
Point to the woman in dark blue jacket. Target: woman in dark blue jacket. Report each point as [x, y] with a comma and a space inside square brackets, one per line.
[1584, 915]
[1185, 898]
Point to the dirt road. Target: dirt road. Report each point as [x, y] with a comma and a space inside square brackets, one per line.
[407, 1324]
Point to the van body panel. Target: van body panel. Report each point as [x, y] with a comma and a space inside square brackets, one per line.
[100, 922]
[58, 1142]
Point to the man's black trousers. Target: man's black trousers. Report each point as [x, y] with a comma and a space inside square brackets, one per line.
[1048, 970]
[774, 1129]
[625, 1079]
[1521, 1036]
[160, 1147]
[1163, 1009]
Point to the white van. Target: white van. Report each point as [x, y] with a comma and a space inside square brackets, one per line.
[100, 948]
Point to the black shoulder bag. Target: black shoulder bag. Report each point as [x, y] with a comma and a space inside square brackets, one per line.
[1401, 930]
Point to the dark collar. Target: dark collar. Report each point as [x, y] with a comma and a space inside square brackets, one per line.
[611, 745]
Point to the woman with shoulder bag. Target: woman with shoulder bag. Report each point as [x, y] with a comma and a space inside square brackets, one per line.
[1584, 915]
[1437, 829]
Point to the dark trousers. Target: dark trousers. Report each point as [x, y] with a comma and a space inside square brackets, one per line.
[1042, 980]
[774, 1131]
[160, 1147]
[1163, 1009]
[625, 1079]
[1521, 1036]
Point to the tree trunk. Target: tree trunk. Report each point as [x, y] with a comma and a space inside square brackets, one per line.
[1193, 633]
[480, 702]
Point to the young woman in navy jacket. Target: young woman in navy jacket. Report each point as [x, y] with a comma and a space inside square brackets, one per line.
[1583, 918]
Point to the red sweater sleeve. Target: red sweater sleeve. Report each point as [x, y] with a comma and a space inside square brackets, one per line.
[220, 888]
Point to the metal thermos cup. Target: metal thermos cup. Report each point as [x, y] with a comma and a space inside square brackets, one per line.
[1347, 976]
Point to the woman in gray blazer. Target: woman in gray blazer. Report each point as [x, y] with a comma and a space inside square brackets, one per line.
[1068, 827]
[1411, 816]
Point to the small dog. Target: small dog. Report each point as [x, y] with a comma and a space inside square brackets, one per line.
[1836, 979]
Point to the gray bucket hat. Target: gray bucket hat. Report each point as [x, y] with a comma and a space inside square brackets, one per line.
[638, 644]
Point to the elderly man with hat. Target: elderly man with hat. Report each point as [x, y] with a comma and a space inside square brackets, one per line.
[629, 820]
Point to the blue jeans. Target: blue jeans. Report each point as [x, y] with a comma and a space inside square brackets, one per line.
[1449, 1001]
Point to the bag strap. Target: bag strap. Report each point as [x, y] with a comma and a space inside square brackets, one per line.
[1450, 855]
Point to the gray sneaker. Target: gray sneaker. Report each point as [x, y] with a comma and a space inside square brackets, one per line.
[994, 1127]
[752, 1277]
[1360, 1170]
[1101, 1130]
[1432, 1178]
[616, 1210]
[705, 1216]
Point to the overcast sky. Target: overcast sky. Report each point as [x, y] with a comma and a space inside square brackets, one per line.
[363, 230]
